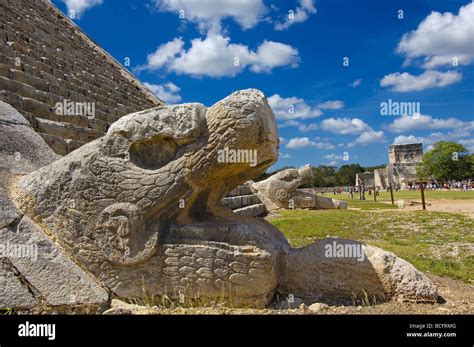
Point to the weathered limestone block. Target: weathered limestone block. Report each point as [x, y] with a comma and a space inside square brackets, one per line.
[56, 278]
[309, 199]
[335, 268]
[34, 271]
[21, 151]
[13, 293]
[139, 212]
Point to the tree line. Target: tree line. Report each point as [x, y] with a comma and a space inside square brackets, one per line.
[445, 161]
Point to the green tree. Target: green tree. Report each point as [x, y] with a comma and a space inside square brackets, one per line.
[470, 160]
[422, 172]
[346, 174]
[324, 176]
[446, 161]
[372, 168]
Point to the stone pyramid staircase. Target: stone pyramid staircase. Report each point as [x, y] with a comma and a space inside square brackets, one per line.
[45, 59]
[244, 202]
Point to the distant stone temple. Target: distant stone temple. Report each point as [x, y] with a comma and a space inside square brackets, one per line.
[47, 61]
[400, 171]
[366, 178]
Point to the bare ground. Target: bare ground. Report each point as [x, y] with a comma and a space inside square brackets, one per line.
[445, 205]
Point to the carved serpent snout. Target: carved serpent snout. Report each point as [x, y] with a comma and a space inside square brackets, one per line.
[243, 123]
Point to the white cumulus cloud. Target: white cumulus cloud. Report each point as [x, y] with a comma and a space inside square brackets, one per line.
[304, 128]
[463, 136]
[344, 126]
[297, 124]
[167, 92]
[80, 6]
[404, 140]
[210, 13]
[368, 137]
[164, 54]
[292, 108]
[334, 157]
[426, 122]
[301, 142]
[405, 82]
[353, 126]
[440, 37]
[216, 56]
[299, 15]
[331, 105]
[272, 54]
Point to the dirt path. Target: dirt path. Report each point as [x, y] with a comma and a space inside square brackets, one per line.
[445, 205]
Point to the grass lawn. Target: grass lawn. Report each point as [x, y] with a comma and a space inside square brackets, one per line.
[438, 242]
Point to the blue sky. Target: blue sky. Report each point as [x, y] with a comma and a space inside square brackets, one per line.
[328, 108]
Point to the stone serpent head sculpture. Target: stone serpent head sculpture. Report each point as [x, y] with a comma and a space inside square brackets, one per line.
[278, 190]
[139, 210]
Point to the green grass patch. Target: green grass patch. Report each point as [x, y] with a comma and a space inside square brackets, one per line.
[438, 242]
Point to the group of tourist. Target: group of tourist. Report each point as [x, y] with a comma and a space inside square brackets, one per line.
[355, 190]
[454, 185]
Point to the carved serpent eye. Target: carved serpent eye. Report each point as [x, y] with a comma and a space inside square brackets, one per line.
[289, 176]
[153, 153]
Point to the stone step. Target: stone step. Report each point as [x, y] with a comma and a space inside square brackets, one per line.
[65, 130]
[257, 210]
[235, 202]
[60, 145]
[240, 190]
